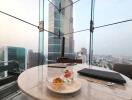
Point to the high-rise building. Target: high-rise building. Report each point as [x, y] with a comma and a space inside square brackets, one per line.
[9, 53]
[33, 58]
[60, 23]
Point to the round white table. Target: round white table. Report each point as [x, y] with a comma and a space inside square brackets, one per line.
[91, 89]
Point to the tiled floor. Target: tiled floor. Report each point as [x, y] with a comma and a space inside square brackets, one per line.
[11, 92]
[22, 97]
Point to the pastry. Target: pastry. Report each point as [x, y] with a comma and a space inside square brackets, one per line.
[57, 83]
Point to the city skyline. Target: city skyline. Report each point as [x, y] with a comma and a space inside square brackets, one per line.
[113, 40]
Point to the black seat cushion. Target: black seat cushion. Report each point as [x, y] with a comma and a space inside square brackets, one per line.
[104, 75]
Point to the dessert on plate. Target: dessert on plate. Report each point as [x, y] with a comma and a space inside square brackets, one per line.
[57, 83]
[67, 73]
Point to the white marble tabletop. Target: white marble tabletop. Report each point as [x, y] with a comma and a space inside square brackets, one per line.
[91, 89]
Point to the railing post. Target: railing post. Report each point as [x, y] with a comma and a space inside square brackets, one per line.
[41, 41]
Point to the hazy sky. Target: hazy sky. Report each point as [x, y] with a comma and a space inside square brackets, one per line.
[114, 40]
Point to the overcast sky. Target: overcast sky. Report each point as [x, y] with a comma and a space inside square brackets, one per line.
[115, 40]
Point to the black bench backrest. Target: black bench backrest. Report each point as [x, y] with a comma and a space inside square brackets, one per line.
[68, 60]
[124, 69]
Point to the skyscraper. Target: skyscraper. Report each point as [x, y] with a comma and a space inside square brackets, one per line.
[9, 53]
[60, 23]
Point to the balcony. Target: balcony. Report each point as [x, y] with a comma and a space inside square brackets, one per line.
[96, 33]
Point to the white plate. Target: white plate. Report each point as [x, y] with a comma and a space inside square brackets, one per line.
[67, 88]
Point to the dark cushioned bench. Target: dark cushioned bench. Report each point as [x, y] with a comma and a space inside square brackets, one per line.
[124, 69]
[68, 60]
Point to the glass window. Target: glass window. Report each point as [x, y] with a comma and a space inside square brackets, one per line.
[54, 40]
[53, 56]
[57, 23]
[54, 48]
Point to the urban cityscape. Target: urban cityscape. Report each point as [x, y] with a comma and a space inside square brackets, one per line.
[60, 41]
[28, 58]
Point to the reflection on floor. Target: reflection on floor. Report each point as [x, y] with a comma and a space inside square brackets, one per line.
[11, 91]
[20, 96]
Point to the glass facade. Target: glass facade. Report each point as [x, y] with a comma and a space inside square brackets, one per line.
[54, 48]
[1, 60]
[17, 54]
[1, 55]
[60, 27]
[14, 53]
[54, 42]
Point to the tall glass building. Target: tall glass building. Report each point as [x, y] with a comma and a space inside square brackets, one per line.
[60, 23]
[18, 54]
